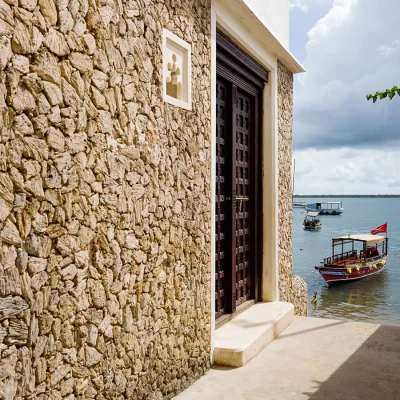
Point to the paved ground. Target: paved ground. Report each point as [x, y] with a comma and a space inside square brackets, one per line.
[313, 358]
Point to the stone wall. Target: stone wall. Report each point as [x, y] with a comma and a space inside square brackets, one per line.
[104, 201]
[292, 289]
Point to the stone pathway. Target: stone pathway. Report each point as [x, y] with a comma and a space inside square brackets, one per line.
[317, 359]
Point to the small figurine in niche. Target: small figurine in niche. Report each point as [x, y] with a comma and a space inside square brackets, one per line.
[174, 88]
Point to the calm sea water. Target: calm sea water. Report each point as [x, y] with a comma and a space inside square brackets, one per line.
[375, 299]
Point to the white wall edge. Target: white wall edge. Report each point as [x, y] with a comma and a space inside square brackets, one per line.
[270, 269]
[283, 39]
[249, 22]
[232, 25]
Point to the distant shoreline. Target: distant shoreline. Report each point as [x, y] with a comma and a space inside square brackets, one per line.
[341, 196]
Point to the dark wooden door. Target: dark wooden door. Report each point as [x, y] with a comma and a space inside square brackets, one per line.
[236, 193]
[238, 170]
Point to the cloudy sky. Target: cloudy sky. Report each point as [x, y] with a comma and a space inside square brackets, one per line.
[344, 144]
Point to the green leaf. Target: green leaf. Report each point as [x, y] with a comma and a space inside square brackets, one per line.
[382, 95]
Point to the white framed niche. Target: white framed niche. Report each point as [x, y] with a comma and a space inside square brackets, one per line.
[177, 70]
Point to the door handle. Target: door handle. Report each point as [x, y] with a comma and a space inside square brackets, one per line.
[237, 198]
[241, 199]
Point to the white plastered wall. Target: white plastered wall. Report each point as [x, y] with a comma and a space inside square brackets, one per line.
[275, 15]
[233, 23]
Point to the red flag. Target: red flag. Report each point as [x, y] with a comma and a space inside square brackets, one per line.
[379, 229]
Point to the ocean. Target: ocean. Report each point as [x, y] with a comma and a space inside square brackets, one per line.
[375, 299]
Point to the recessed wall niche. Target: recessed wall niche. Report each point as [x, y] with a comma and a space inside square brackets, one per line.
[177, 71]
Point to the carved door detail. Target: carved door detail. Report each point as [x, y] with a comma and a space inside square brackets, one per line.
[221, 181]
[243, 180]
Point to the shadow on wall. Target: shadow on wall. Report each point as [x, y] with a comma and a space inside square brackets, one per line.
[372, 372]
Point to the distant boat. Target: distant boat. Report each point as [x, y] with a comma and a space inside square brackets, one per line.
[311, 222]
[299, 204]
[326, 208]
[348, 264]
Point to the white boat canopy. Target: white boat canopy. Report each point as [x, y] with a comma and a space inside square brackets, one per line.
[370, 239]
[312, 213]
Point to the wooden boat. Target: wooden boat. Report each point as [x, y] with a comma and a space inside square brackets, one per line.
[311, 222]
[326, 208]
[354, 264]
[299, 204]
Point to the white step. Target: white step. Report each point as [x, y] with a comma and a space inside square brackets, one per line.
[242, 338]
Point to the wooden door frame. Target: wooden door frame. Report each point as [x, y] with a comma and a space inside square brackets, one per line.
[244, 73]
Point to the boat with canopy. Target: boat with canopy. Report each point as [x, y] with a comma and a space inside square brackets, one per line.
[326, 208]
[354, 257]
[311, 221]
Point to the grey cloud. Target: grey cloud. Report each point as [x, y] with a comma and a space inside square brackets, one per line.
[343, 65]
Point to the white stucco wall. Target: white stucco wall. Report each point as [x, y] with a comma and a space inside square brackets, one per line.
[275, 16]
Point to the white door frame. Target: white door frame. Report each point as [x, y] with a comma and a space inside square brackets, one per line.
[236, 26]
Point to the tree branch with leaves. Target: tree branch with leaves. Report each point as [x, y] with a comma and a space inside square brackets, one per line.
[382, 95]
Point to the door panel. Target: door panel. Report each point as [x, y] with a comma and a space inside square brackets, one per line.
[235, 182]
[244, 127]
[221, 220]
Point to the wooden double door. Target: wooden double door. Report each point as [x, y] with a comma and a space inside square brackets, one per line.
[238, 172]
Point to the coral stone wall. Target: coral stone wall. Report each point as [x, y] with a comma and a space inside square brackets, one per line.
[104, 201]
[292, 289]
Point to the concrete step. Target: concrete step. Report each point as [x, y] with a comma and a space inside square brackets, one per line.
[242, 338]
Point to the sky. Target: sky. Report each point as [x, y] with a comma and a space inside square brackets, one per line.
[342, 143]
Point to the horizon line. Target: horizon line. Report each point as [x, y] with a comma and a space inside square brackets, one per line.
[344, 195]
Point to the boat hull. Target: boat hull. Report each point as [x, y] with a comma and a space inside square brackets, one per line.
[324, 211]
[334, 275]
[312, 228]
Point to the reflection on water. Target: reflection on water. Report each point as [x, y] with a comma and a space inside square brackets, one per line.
[349, 301]
[375, 299]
